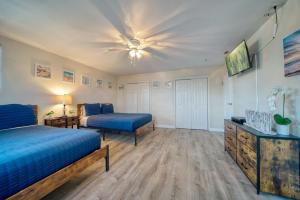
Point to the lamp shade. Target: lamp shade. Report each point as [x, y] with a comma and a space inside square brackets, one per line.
[66, 99]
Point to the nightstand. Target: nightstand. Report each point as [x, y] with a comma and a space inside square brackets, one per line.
[63, 122]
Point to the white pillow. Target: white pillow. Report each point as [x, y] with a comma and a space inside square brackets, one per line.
[83, 113]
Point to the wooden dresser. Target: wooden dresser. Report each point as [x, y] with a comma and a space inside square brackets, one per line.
[271, 162]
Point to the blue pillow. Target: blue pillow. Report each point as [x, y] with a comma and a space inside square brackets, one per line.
[92, 109]
[16, 115]
[107, 108]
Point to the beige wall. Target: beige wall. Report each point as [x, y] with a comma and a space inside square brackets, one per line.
[162, 100]
[20, 86]
[271, 68]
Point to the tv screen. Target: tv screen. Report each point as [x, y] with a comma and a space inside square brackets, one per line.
[238, 60]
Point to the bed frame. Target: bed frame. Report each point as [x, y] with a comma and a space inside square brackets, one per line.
[43, 187]
[137, 132]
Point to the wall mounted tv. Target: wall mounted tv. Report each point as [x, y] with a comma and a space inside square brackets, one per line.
[238, 60]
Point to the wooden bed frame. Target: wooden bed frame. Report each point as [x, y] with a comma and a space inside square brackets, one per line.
[137, 132]
[43, 187]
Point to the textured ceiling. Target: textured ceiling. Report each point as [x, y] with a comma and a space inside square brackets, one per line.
[183, 33]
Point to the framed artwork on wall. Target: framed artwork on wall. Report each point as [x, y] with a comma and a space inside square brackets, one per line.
[156, 84]
[85, 80]
[109, 85]
[291, 46]
[99, 83]
[68, 76]
[42, 71]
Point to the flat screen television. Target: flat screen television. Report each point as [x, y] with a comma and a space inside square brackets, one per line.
[238, 60]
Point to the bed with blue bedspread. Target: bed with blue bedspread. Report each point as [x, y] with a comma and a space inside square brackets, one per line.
[102, 116]
[30, 153]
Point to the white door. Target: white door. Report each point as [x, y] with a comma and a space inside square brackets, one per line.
[199, 104]
[137, 98]
[143, 98]
[191, 104]
[131, 98]
[183, 106]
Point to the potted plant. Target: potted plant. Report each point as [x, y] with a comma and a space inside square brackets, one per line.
[282, 123]
[50, 114]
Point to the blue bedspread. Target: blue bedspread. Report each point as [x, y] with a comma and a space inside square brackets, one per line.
[30, 154]
[119, 121]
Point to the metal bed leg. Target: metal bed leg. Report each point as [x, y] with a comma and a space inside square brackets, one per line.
[107, 158]
[103, 135]
[135, 139]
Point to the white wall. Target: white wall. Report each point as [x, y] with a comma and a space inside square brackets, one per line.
[271, 67]
[162, 102]
[20, 86]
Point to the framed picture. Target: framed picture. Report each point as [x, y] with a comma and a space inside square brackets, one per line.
[155, 84]
[291, 46]
[43, 71]
[85, 80]
[109, 85]
[68, 76]
[99, 83]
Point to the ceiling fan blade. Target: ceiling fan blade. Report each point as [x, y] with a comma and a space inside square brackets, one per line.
[108, 45]
[115, 15]
[117, 49]
[156, 52]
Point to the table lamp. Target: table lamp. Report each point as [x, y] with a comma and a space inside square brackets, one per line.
[66, 100]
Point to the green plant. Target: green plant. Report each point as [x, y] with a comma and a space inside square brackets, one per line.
[50, 113]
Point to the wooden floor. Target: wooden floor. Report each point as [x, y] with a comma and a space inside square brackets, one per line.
[166, 164]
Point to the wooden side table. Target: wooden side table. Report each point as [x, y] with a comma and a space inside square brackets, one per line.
[63, 122]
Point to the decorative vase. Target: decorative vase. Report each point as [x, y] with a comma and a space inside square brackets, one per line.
[283, 129]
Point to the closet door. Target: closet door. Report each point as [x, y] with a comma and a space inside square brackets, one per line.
[199, 104]
[131, 98]
[183, 107]
[143, 98]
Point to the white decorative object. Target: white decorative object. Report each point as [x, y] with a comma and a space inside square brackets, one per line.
[168, 84]
[260, 121]
[283, 129]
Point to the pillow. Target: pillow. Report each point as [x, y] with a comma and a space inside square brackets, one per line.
[16, 115]
[92, 109]
[107, 108]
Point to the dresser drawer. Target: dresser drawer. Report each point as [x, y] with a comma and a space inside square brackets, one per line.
[230, 149]
[230, 128]
[247, 154]
[247, 139]
[249, 171]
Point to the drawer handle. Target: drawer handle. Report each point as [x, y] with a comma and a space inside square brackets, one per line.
[245, 153]
[244, 166]
[246, 138]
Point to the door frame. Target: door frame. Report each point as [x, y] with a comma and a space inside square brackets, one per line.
[208, 104]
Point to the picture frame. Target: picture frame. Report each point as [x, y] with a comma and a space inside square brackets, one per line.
[292, 54]
[99, 83]
[42, 71]
[156, 84]
[109, 85]
[68, 76]
[85, 80]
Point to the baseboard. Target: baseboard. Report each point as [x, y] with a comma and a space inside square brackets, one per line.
[216, 129]
[164, 126]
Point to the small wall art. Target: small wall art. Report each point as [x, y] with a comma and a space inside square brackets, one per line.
[68, 76]
[85, 80]
[109, 85]
[43, 71]
[99, 83]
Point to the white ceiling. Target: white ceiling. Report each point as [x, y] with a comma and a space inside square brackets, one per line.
[192, 33]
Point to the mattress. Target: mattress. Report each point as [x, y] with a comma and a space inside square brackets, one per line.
[32, 153]
[128, 122]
